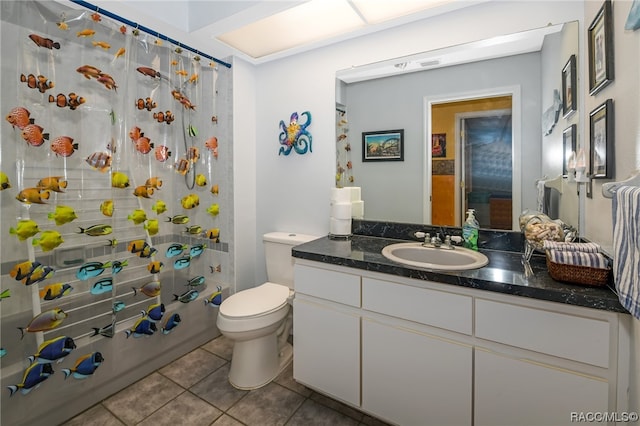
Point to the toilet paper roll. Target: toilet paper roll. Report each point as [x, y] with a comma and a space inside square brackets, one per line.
[340, 226]
[357, 209]
[341, 210]
[340, 195]
[355, 193]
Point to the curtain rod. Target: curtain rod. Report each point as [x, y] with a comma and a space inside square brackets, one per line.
[146, 30]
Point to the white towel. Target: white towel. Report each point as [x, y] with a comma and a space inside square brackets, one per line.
[579, 258]
[582, 247]
[626, 247]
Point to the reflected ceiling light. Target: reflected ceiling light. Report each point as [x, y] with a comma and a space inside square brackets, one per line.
[307, 23]
[376, 11]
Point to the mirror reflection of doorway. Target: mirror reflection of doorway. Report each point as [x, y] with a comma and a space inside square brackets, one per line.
[477, 173]
[486, 168]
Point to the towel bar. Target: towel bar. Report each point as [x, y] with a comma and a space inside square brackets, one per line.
[610, 188]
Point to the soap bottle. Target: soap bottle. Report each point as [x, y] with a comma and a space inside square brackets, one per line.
[470, 231]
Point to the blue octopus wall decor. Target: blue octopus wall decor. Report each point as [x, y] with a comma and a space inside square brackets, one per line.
[295, 135]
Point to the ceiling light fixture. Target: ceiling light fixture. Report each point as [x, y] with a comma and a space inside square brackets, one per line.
[376, 11]
[309, 22]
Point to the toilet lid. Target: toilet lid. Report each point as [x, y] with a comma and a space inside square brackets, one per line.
[255, 301]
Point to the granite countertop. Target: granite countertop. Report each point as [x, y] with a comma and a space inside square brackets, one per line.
[504, 273]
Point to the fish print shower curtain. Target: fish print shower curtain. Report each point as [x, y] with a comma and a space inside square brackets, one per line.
[114, 200]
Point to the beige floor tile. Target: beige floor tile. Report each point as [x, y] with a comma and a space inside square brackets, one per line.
[312, 413]
[286, 379]
[186, 409]
[225, 420]
[337, 405]
[270, 405]
[142, 398]
[192, 367]
[216, 389]
[220, 346]
[94, 416]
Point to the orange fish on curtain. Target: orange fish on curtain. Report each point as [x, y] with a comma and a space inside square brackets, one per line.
[147, 104]
[135, 133]
[212, 145]
[44, 42]
[63, 146]
[143, 145]
[40, 82]
[73, 101]
[33, 135]
[19, 117]
[162, 153]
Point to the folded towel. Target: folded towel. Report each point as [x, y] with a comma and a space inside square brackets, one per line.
[578, 258]
[583, 247]
[626, 247]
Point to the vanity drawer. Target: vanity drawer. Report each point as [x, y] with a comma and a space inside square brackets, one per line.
[326, 284]
[430, 307]
[567, 336]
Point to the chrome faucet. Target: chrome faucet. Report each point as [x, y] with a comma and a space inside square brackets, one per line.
[435, 241]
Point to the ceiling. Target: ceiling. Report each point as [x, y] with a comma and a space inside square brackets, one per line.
[255, 31]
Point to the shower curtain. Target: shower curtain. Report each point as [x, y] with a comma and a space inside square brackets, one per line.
[115, 206]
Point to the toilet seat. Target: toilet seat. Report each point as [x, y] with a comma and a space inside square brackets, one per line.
[256, 301]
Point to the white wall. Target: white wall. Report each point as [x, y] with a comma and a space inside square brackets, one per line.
[624, 91]
[244, 250]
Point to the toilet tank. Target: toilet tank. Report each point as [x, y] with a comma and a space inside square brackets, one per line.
[277, 250]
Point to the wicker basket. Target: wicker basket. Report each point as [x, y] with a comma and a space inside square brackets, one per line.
[576, 274]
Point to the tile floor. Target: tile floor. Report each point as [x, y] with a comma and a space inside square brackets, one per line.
[179, 394]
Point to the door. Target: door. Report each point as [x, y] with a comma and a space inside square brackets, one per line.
[486, 174]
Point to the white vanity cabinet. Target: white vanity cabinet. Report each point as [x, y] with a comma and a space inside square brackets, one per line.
[326, 332]
[568, 365]
[413, 378]
[415, 352]
[413, 371]
[511, 391]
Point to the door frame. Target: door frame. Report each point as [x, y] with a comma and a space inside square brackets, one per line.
[516, 141]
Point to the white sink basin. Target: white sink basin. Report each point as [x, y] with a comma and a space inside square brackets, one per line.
[415, 254]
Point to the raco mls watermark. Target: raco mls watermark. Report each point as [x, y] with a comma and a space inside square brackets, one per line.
[604, 417]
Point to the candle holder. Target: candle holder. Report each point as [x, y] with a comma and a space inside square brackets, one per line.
[581, 167]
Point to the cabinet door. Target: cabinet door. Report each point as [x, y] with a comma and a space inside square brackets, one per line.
[326, 348]
[512, 391]
[411, 378]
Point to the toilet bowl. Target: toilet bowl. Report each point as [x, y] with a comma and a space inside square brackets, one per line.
[258, 320]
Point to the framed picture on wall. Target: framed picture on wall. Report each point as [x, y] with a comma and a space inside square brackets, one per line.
[568, 147]
[569, 102]
[600, 40]
[602, 125]
[383, 145]
[438, 145]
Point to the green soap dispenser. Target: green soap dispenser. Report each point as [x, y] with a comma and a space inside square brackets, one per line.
[470, 231]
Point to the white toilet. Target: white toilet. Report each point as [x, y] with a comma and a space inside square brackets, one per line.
[259, 319]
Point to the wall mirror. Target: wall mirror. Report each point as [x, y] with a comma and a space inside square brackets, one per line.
[511, 83]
